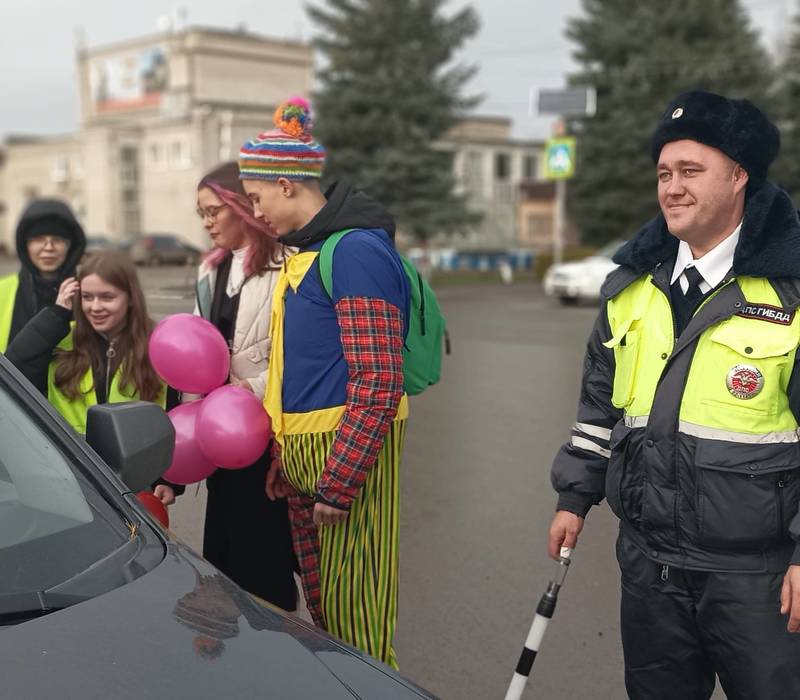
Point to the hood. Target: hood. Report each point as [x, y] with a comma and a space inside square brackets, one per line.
[346, 208]
[769, 242]
[63, 223]
[184, 630]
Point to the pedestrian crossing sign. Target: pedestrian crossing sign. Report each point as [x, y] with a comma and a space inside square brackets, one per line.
[559, 158]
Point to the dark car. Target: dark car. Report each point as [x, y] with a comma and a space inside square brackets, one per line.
[163, 249]
[98, 601]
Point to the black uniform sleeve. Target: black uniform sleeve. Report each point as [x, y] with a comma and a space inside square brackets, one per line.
[32, 348]
[579, 469]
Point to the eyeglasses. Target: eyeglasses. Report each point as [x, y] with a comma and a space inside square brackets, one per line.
[211, 212]
[53, 241]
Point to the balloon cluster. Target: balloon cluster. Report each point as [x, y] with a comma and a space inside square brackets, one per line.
[229, 427]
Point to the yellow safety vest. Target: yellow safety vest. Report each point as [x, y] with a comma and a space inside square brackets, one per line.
[8, 295]
[737, 385]
[75, 410]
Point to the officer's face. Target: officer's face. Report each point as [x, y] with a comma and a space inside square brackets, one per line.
[700, 191]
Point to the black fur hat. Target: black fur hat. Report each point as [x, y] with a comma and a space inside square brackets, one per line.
[736, 127]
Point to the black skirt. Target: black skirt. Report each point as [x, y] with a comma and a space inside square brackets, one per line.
[248, 537]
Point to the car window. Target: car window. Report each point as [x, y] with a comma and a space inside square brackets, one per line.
[53, 523]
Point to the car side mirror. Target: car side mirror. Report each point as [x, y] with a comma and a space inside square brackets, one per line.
[135, 439]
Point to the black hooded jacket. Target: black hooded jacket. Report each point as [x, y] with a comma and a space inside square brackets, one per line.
[35, 292]
[346, 208]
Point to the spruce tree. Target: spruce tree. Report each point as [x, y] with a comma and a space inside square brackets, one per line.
[389, 89]
[786, 171]
[638, 56]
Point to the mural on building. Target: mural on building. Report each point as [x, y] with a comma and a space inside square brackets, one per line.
[128, 81]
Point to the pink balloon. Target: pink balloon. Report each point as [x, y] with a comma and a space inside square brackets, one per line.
[233, 429]
[189, 353]
[189, 464]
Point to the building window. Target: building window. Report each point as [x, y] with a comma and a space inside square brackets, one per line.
[502, 166]
[129, 166]
[61, 169]
[155, 156]
[473, 172]
[180, 154]
[530, 167]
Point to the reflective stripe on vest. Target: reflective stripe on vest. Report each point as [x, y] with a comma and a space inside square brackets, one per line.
[74, 410]
[8, 296]
[757, 352]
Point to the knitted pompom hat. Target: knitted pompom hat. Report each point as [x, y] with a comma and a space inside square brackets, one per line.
[287, 151]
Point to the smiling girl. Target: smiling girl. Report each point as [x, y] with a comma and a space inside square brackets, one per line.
[90, 347]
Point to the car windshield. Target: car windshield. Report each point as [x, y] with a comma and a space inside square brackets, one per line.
[53, 523]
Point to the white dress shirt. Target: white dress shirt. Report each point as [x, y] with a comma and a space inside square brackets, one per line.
[713, 266]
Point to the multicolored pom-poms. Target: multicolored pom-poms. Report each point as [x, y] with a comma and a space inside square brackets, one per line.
[293, 117]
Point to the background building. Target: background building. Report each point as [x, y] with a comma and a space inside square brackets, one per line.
[156, 114]
[490, 169]
[160, 111]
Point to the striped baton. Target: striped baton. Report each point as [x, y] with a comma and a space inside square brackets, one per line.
[544, 611]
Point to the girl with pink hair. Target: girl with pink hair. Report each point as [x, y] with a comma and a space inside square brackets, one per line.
[246, 535]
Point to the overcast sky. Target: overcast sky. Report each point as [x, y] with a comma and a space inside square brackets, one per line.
[520, 46]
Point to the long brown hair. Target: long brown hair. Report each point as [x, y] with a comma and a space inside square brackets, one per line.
[264, 252]
[131, 347]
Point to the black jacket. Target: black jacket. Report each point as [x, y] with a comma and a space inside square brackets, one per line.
[35, 292]
[651, 473]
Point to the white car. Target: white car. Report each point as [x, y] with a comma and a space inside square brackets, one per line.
[572, 282]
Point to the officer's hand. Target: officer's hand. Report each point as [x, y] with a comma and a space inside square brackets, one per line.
[790, 598]
[564, 531]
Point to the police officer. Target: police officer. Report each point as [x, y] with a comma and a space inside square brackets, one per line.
[50, 243]
[688, 417]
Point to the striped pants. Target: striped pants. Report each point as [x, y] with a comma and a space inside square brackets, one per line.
[350, 570]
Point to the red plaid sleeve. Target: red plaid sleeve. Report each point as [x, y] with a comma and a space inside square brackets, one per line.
[372, 339]
[306, 548]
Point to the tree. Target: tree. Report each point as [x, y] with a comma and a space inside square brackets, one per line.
[638, 56]
[786, 171]
[389, 90]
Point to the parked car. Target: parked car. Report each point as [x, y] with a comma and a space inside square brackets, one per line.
[581, 280]
[99, 601]
[163, 249]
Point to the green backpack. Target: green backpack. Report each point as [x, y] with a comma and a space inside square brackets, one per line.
[422, 352]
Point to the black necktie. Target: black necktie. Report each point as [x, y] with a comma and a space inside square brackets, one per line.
[693, 294]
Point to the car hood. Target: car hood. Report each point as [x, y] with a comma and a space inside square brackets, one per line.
[185, 630]
[582, 267]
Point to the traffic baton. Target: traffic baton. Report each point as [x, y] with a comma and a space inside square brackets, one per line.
[544, 611]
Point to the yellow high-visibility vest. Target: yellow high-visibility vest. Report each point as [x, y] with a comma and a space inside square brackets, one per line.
[737, 385]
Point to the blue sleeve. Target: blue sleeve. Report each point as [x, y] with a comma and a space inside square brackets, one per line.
[365, 264]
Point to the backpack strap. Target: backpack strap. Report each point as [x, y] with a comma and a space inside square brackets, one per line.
[326, 259]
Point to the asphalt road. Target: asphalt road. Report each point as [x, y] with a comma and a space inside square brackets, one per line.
[476, 503]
